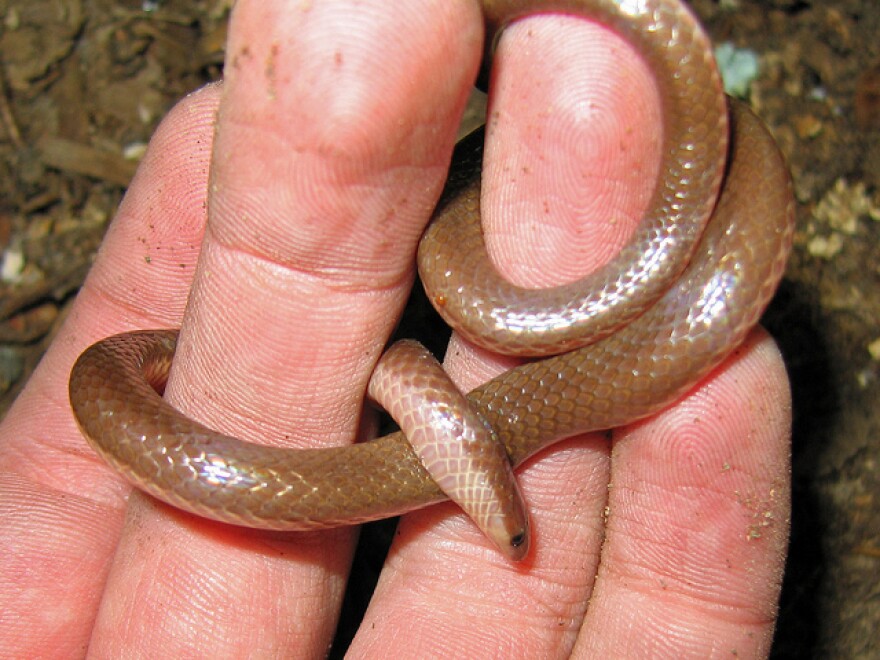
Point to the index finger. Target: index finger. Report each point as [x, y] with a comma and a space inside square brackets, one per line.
[332, 143]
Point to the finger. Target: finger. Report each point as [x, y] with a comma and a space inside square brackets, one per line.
[333, 136]
[443, 584]
[698, 520]
[573, 150]
[61, 507]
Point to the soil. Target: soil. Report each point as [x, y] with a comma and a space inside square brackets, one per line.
[83, 84]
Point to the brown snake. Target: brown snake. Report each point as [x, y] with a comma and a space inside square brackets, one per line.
[684, 296]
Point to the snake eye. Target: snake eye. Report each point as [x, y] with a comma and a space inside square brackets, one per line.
[517, 539]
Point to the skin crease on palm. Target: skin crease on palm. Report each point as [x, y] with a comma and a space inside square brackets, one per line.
[679, 545]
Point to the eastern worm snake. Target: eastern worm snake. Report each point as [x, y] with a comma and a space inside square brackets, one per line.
[640, 332]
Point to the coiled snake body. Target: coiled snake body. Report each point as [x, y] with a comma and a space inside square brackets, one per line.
[686, 297]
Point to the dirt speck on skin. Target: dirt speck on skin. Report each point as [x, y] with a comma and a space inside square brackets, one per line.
[84, 83]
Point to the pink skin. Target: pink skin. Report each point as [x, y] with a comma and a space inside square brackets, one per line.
[326, 165]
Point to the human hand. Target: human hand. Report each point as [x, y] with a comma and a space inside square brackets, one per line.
[334, 130]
